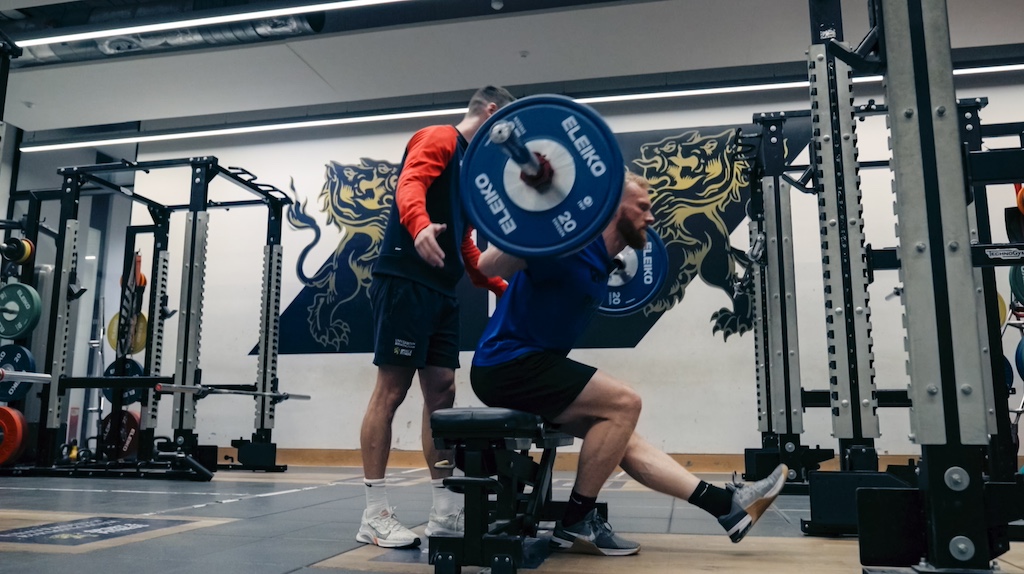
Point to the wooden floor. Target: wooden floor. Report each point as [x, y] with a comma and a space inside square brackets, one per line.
[665, 554]
[304, 521]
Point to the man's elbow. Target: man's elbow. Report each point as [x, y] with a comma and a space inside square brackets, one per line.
[488, 266]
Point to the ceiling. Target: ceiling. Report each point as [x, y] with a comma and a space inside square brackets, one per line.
[418, 53]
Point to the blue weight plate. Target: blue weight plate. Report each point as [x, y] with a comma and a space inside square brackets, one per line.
[639, 279]
[1017, 282]
[132, 368]
[583, 195]
[15, 358]
[1019, 358]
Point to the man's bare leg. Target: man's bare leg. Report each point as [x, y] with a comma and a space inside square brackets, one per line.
[604, 416]
[375, 435]
[446, 514]
[379, 524]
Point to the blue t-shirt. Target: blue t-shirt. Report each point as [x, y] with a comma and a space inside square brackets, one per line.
[547, 306]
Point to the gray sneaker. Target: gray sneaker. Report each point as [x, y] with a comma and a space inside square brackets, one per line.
[750, 501]
[384, 530]
[446, 524]
[592, 535]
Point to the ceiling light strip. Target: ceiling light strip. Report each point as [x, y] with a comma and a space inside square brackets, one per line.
[692, 93]
[209, 21]
[245, 130]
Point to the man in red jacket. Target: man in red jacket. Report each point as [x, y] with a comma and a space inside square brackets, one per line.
[427, 247]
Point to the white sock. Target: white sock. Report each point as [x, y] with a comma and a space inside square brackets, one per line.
[445, 501]
[376, 495]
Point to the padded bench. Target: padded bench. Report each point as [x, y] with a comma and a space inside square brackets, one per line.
[491, 446]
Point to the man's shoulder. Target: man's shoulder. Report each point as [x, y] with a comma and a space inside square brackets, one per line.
[441, 132]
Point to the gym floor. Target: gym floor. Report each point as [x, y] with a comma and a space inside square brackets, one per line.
[305, 520]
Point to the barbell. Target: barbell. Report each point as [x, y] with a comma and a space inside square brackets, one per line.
[199, 390]
[202, 391]
[543, 178]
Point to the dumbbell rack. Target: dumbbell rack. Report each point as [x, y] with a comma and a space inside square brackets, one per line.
[182, 456]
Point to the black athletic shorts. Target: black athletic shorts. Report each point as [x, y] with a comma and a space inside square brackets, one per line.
[413, 325]
[542, 383]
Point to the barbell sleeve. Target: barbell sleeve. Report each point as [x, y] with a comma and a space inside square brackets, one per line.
[504, 134]
[6, 375]
[298, 397]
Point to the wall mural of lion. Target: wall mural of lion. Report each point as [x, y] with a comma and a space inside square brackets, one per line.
[356, 199]
[700, 192]
[698, 199]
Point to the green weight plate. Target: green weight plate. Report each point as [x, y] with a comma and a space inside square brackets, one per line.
[20, 307]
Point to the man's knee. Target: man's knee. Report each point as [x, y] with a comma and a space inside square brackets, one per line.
[393, 385]
[438, 385]
[630, 404]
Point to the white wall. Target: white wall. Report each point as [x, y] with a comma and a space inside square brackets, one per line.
[698, 390]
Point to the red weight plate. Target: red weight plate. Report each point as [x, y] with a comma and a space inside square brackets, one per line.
[12, 422]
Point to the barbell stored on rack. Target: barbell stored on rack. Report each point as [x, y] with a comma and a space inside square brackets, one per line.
[202, 391]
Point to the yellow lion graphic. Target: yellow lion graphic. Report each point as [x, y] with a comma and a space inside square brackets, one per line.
[697, 184]
[357, 200]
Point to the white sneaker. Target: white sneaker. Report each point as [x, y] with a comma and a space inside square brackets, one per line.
[384, 530]
[446, 524]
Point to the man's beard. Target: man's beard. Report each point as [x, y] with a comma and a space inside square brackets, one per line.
[634, 237]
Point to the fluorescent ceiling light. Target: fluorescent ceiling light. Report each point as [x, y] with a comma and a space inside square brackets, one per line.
[696, 92]
[247, 130]
[29, 148]
[989, 70]
[209, 21]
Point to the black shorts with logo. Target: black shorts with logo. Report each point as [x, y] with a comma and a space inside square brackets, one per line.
[543, 383]
[413, 325]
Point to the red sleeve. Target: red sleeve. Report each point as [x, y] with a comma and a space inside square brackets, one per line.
[426, 157]
[470, 256]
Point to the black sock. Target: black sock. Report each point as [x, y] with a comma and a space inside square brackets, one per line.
[716, 501]
[577, 508]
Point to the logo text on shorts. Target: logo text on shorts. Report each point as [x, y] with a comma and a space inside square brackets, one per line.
[404, 348]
